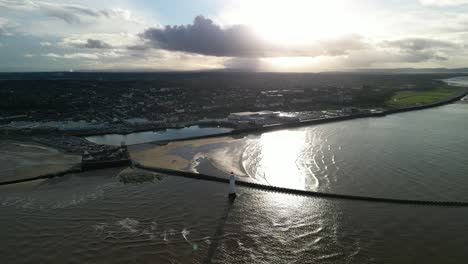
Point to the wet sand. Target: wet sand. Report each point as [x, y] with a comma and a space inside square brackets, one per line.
[211, 156]
[158, 156]
[20, 160]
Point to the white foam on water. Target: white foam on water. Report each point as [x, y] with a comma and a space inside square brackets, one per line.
[100, 227]
[195, 162]
[76, 199]
[185, 233]
[129, 224]
[228, 159]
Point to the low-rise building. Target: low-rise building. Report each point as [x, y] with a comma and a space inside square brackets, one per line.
[246, 116]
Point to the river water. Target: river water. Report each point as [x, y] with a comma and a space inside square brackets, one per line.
[414, 155]
[150, 136]
[417, 155]
[20, 160]
[94, 218]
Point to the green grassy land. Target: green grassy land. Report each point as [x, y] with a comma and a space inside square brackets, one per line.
[412, 97]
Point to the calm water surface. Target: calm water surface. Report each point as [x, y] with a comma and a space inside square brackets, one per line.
[93, 218]
[150, 136]
[414, 155]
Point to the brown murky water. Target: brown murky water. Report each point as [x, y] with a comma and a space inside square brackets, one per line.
[414, 155]
[25, 159]
[94, 218]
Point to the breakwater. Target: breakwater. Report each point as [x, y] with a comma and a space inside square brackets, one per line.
[205, 177]
[76, 169]
[80, 168]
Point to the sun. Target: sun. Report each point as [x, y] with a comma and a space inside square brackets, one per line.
[295, 22]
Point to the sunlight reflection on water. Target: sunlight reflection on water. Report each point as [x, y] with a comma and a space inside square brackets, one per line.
[279, 154]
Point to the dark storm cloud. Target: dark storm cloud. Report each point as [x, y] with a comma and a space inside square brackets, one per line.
[205, 37]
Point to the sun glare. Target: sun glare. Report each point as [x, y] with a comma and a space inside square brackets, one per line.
[295, 22]
[280, 150]
[296, 64]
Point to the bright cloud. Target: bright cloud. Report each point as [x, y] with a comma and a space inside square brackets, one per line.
[282, 35]
[443, 2]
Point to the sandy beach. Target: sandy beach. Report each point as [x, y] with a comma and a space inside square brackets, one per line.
[214, 156]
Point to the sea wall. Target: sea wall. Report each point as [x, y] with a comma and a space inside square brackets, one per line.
[45, 176]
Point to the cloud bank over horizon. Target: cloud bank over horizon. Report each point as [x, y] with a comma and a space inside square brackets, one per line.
[61, 35]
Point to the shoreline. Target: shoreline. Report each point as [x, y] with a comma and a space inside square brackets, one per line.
[160, 153]
[236, 133]
[241, 133]
[176, 167]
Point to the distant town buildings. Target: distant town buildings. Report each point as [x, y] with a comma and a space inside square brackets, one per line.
[169, 100]
[260, 118]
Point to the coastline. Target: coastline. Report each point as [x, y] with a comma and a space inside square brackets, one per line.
[169, 154]
[174, 155]
[158, 154]
[236, 133]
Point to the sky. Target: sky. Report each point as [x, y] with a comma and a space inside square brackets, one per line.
[253, 35]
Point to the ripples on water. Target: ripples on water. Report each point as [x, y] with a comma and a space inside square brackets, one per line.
[93, 218]
[96, 218]
[178, 220]
[272, 235]
[415, 155]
